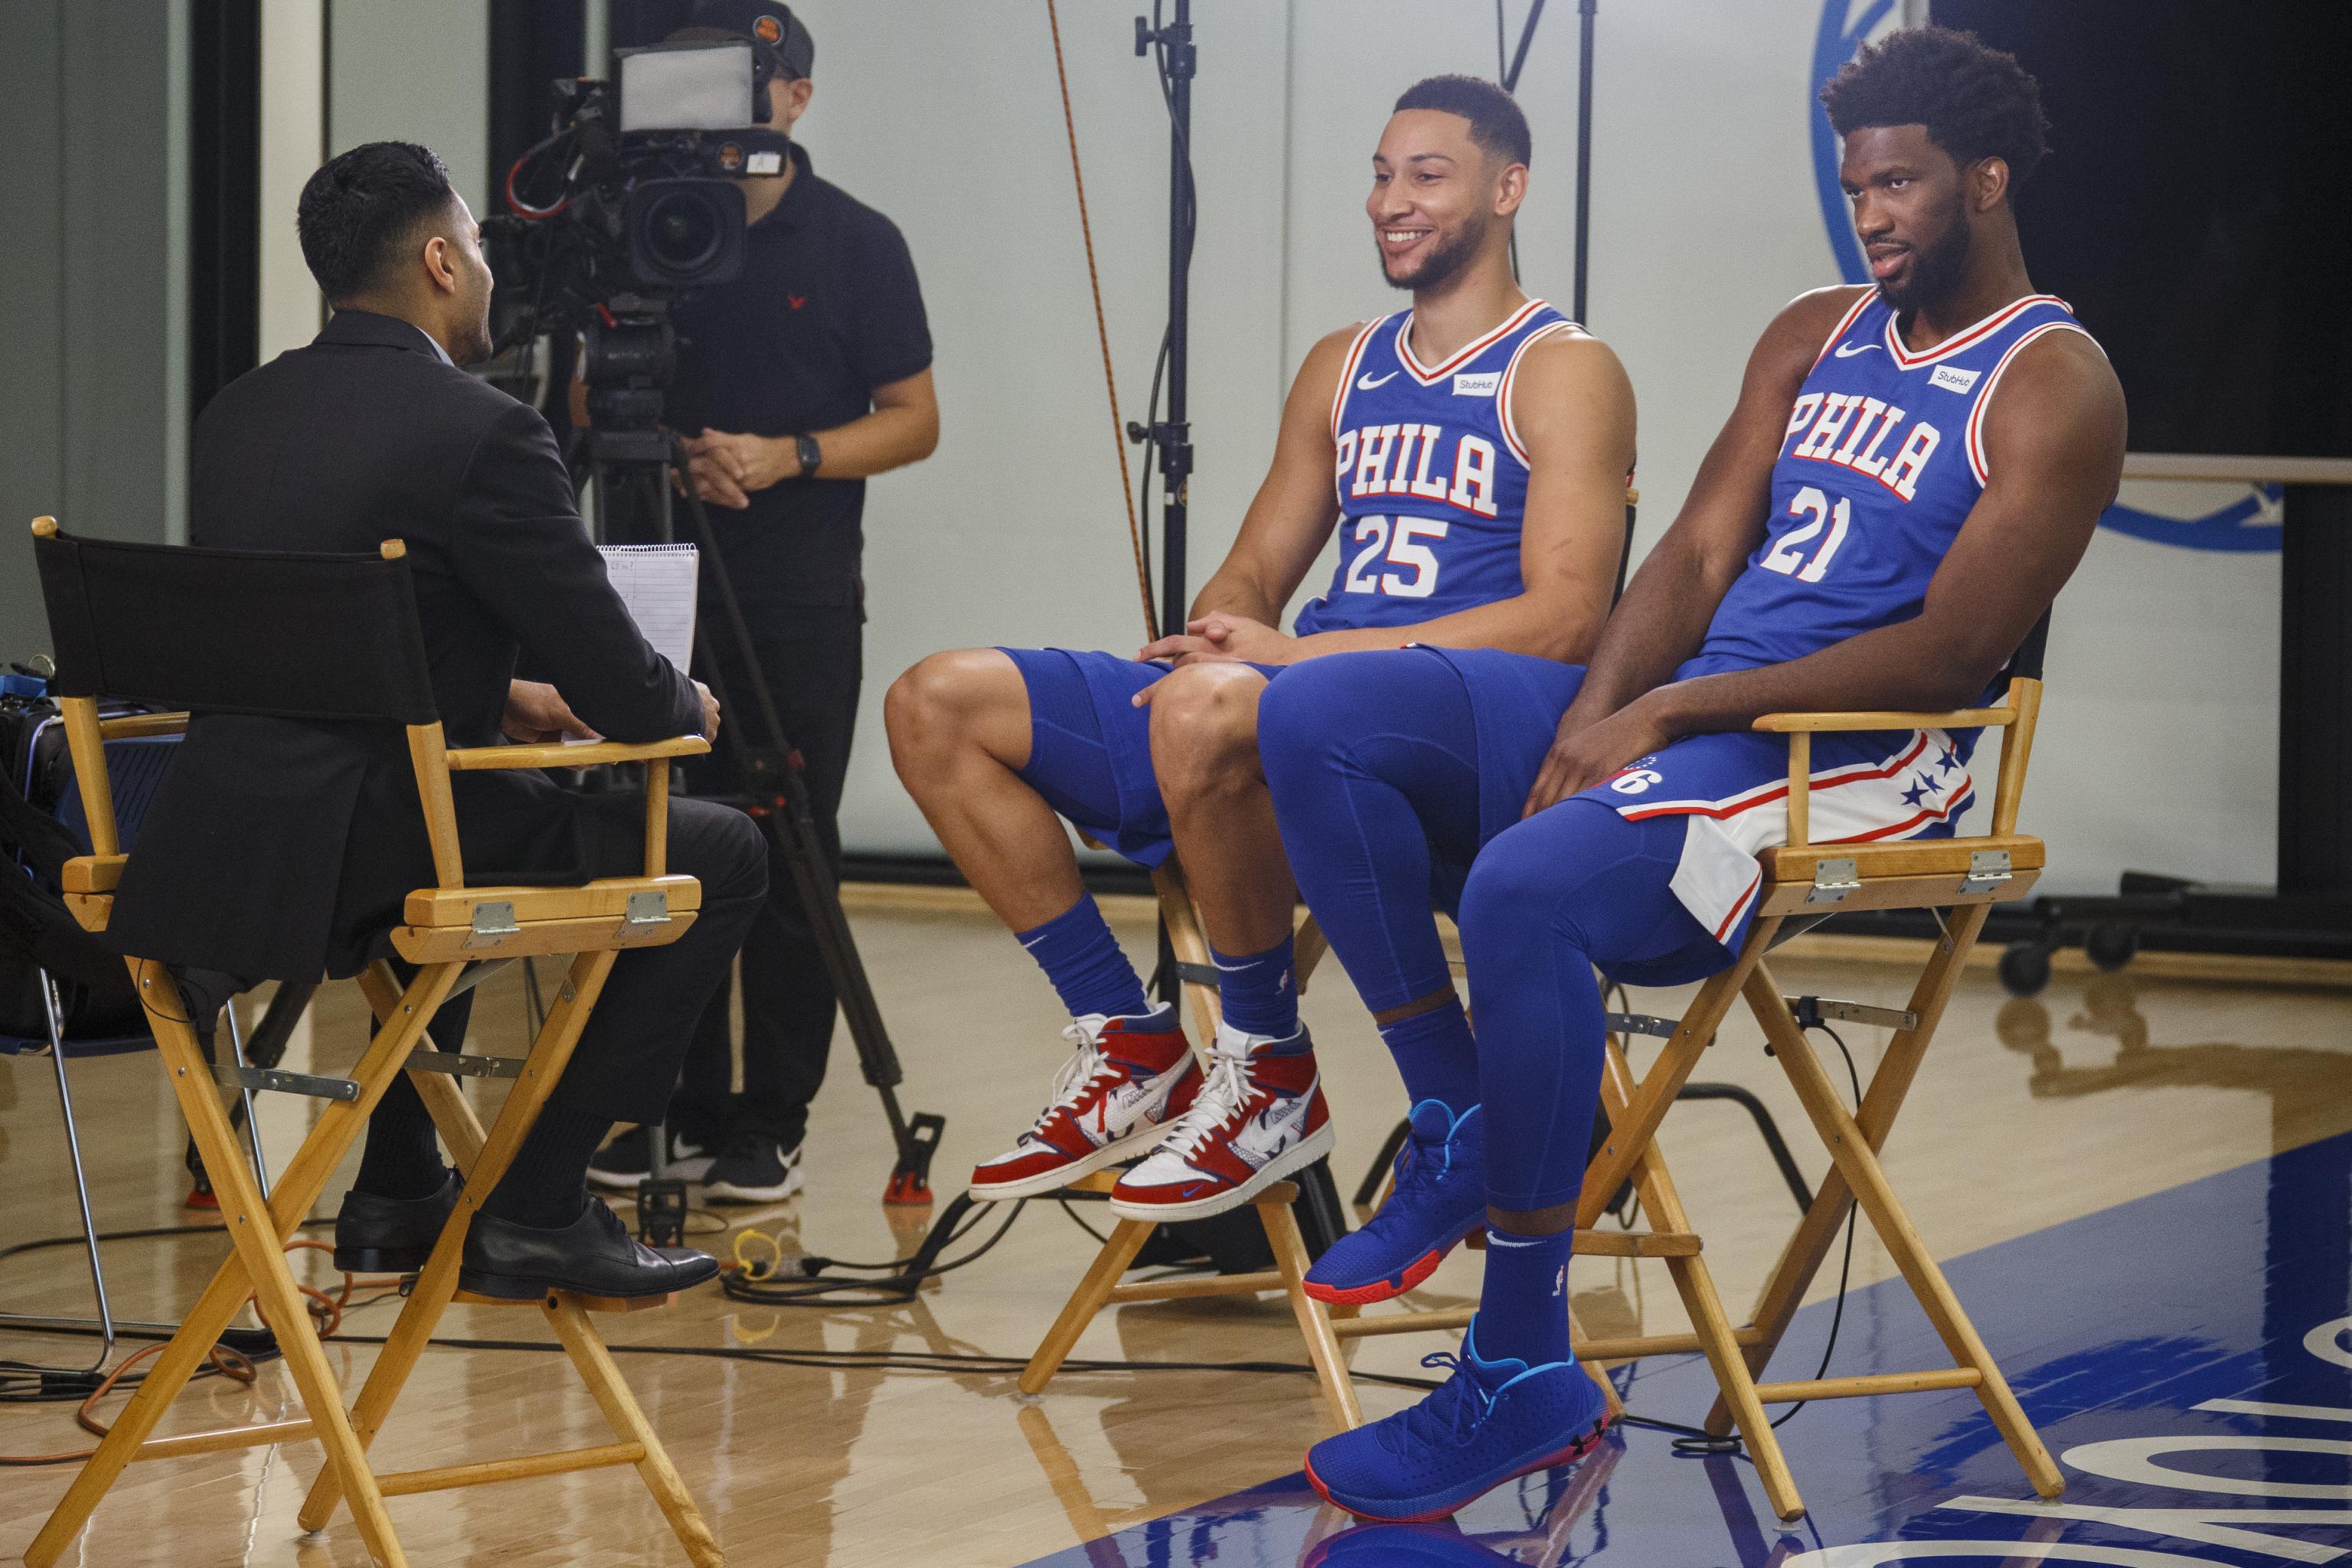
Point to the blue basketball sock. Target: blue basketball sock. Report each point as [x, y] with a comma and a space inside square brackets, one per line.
[1436, 1057]
[1256, 993]
[1085, 963]
[1523, 1311]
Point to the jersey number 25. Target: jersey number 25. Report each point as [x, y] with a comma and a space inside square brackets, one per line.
[1372, 533]
[1785, 557]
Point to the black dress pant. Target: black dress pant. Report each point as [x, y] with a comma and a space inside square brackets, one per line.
[811, 658]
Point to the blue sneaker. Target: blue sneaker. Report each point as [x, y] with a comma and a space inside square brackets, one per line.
[1492, 1422]
[1440, 1198]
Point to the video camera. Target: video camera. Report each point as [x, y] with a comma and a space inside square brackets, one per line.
[631, 201]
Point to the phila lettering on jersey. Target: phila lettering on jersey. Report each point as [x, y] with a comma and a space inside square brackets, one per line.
[1431, 476]
[1883, 460]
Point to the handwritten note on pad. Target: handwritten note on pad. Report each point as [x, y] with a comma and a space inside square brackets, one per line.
[657, 582]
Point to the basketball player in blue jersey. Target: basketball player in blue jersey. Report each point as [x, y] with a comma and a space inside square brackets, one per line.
[1472, 454]
[1912, 471]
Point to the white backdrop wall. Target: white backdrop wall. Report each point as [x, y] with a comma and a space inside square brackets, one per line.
[944, 114]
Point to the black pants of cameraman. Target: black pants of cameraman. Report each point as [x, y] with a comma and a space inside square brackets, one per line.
[812, 656]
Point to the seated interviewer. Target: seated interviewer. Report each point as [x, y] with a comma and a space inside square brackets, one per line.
[281, 849]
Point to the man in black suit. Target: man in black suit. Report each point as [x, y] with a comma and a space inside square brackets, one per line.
[282, 849]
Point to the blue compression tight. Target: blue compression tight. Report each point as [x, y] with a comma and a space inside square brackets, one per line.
[1373, 762]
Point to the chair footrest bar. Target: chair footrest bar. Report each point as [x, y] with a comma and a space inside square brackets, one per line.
[459, 1065]
[1430, 1323]
[1874, 1383]
[1636, 1243]
[404, 1483]
[228, 1075]
[1632, 1347]
[1207, 1285]
[296, 1431]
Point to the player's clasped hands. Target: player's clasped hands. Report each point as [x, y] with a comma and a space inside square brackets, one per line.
[1217, 637]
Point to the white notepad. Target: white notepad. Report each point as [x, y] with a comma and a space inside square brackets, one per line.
[657, 583]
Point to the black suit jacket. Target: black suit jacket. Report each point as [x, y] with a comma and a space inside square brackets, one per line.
[278, 849]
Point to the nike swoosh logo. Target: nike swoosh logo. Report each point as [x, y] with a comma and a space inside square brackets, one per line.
[1494, 1240]
[1365, 382]
[1847, 351]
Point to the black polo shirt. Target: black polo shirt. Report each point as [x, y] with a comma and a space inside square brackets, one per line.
[826, 309]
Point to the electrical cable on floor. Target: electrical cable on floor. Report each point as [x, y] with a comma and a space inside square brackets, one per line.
[899, 1283]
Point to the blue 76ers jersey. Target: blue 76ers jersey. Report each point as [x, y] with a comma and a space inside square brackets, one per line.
[1431, 477]
[1883, 460]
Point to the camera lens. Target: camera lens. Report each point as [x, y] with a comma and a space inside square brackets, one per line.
[681, 231]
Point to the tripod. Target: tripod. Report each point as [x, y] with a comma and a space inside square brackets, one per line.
[631, 468]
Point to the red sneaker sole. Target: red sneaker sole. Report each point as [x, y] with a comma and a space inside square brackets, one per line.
[1420, 1268]
[1574, 1452]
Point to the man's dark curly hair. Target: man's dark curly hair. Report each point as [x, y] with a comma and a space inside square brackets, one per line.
[361, 210]
[1495, 123]
[1976, 102]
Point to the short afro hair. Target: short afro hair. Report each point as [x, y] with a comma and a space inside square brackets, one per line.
[1495, 122]
[1976, 101]
[361, 208]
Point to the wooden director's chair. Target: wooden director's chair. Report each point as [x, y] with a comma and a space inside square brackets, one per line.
[1958, 879]
[336, 638]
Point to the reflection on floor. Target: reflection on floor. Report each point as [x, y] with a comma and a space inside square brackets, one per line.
[2033, 1131]
[2187, 1356]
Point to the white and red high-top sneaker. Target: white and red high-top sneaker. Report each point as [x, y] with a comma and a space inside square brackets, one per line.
[1128, 1081]
[1259, 1117]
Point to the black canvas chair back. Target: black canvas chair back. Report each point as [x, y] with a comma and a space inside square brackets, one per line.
[236, 631]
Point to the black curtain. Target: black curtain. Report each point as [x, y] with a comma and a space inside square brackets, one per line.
[224, 194]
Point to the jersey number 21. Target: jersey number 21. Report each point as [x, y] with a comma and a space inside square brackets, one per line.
[1787, 559]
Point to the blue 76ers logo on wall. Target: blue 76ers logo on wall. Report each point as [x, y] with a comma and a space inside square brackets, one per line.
[2250, 524]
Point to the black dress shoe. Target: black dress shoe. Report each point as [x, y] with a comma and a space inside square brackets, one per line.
[593, 1255]
[392, 1236]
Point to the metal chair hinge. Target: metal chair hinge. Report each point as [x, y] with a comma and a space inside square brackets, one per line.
[646, 910]
[494, 922]
[1832, 880]
[228, 1075]
[459, 1066]
[1988, 869]
[1640, 1024]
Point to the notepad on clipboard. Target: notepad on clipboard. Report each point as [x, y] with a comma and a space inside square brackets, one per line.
[657, 584]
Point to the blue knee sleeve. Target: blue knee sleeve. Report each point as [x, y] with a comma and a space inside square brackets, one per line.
[1373, 762]
[1548, 899]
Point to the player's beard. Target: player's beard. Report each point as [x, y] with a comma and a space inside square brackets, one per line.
[1935, 269]
[1445, 259]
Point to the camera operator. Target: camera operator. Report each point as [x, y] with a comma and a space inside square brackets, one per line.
[796, 381]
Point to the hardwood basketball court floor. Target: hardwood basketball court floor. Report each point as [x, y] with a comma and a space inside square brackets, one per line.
[2143, 1182]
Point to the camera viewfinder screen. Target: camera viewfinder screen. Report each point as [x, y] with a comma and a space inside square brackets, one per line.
[705, 87]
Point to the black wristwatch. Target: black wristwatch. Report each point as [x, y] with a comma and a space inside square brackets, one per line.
[811, 454]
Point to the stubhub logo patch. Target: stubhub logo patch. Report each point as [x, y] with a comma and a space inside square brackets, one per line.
[1479, 385]
[1952, 379]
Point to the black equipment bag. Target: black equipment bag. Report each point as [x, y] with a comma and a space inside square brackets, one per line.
[37, 930]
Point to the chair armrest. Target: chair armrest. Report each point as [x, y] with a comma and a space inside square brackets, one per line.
[474, 759]
[139, 725]
[1958, 719]
[93, 873]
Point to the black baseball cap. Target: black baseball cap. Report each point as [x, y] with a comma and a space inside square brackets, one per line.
[766, 22]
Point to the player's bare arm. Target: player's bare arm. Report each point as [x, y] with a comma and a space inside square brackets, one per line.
[1287, 520]
[1664, 615]
[2053, 452]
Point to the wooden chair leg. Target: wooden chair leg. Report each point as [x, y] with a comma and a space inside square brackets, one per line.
[1851, 1148]
[623, 1414]
[1632, 1132]
[298, 1188]
[436, 1284]
[1323, 1349]
[1695, 1285]
[1809, 1247]
[1127, 1238]
[1186, 940]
